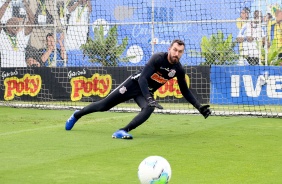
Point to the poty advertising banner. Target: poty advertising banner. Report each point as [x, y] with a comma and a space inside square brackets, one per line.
[250, 85]
[88, 84]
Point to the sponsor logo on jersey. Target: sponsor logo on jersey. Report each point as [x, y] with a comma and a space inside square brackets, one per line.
[156, 77]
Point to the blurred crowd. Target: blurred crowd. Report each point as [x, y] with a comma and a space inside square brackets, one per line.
[258, 32]
[34, 32]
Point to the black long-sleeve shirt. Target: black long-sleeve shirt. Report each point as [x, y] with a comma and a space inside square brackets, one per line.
[158, 71]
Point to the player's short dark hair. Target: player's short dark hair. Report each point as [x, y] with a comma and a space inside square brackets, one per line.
[179, 42]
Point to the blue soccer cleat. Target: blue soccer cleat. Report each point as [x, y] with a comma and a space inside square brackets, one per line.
[121, 134]
[71, 121]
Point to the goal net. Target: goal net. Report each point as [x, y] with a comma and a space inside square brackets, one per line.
[65, 54]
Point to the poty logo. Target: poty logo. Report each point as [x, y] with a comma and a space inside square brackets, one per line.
[28, 85]
[99, 85]
[171, 88]
[273, 85]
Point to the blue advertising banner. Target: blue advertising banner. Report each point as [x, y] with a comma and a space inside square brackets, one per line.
[249, 85]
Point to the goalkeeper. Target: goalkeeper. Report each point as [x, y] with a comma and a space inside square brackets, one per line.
[141, 86]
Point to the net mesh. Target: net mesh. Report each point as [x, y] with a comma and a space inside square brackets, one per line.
[68, 53]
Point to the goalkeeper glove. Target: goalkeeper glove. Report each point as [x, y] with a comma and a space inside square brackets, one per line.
[204, 110]
[153, 103]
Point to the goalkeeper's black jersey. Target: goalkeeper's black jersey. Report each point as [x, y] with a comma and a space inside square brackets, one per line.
[158, 71]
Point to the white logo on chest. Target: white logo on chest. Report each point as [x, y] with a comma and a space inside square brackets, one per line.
[171, 73]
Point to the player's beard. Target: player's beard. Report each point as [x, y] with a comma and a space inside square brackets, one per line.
[173, 60]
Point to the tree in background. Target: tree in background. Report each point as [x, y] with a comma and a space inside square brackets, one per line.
[105, 50]
[272, 54]
[216, 50]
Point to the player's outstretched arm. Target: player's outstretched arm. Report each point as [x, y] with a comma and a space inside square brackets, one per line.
[203, 109]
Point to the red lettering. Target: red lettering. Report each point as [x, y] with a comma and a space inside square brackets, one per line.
[171, 88]
[96, 85]
[28, 85]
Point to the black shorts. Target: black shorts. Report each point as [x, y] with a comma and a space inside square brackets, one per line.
[127, 90]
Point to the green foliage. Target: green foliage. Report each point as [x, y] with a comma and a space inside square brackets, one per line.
[216, 50]
[272, 54]
[105, 50]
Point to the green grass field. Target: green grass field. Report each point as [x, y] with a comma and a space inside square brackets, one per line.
[35, 148]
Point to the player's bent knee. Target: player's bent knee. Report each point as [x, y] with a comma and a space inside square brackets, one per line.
[148, 109]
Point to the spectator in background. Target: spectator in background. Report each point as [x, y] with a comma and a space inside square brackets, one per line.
[15, 9]
[244, 16]
[275, 30]
[8, 12]
[45, 17]
[52, 57]
[252, 36]
[14, 38]
[62, 12]
[78, 30]
[268, 17]
[32, 57]
[42, 15]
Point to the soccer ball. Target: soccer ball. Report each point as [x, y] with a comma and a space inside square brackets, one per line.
[154, 169]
